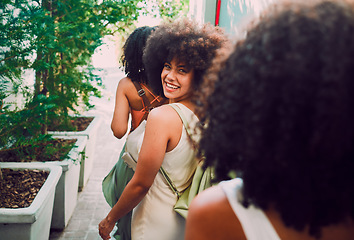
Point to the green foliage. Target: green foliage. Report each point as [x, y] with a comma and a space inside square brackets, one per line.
[16, 38]
[19, 127]
[172, 9]
[56, 39]
[167, 10]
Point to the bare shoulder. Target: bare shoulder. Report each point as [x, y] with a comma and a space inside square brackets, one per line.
[125, 83]
[126, 88]
[210, 216]
[209, 203]
[164, 113]
[164, 123]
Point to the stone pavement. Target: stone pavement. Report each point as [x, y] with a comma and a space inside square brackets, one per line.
[91, 207]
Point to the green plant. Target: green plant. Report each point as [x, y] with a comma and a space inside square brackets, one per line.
[172, 9]
[56, 39]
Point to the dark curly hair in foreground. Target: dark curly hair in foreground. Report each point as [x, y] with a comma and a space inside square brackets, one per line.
[191, 43]
[133, 54]
[282, 114]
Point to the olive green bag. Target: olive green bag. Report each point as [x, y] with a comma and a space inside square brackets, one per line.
[200, 181]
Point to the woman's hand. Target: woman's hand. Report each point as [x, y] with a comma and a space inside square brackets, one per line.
[105, 228]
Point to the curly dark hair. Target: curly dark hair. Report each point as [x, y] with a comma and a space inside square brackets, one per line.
[133, 53]
[282, 114]
[190, 42]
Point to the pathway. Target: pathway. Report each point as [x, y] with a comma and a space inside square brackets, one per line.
[91, 207]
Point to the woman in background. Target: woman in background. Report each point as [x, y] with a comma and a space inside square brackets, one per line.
[133, 95]
[281, 117]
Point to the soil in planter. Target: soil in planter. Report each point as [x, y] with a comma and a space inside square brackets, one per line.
[18, 188]
[54, 150]
[75, 124]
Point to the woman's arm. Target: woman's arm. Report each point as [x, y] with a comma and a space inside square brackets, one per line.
[156, 138]
[120, 118]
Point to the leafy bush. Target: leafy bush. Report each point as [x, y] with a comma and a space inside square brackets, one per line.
[56, 39]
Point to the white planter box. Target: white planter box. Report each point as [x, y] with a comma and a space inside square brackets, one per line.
[91, 134]
[33, 222]
[67, 188]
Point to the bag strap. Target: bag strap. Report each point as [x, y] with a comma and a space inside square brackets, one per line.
[147, 104]
[169, 181]
[162, 170]
[142, 94]
[183, 118]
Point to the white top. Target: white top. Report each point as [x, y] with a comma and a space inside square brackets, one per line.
[154, 217]
[255, 223]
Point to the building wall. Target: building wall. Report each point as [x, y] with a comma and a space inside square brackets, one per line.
[234, 14]
[203, 10]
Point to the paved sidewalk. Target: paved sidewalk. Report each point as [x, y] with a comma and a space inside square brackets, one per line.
[91, 207]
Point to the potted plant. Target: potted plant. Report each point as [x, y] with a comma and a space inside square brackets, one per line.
[68, 185]
[54, 40]
[87, 126]
[32, 222]
[63, 151]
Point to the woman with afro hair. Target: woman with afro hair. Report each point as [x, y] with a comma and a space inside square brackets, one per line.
[133, 89]
[281, 117]
[133, 97]
[176, 57]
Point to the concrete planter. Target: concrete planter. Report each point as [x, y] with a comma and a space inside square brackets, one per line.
[33, 222]
[67, 188]
[90, 133]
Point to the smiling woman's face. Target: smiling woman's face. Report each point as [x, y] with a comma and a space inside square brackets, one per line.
[177, 80]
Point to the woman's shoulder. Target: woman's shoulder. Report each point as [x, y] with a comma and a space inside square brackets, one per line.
[168, 111]
[211, 212]
[126, 87]
[210, 201]
[163, 113]
[216, 196]
[125, 82]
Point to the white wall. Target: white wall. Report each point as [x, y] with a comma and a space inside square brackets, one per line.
[234, 14]
[203, 10]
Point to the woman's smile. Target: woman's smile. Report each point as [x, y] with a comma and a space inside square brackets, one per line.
[170, 87]
[177, 80]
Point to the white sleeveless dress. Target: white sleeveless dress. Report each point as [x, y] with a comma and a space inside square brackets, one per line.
[154, 218]
[255, 223]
